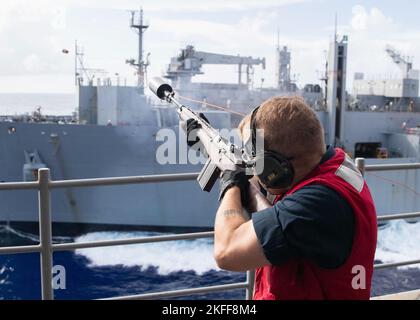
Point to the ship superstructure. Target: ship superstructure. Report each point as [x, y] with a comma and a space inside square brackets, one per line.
[400, 93]
[240, 97]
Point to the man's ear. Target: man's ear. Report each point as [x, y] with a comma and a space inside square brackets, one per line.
[243, 127]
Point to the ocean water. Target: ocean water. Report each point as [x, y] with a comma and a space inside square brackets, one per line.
[115, 271]
[51, 104]
[126, 270]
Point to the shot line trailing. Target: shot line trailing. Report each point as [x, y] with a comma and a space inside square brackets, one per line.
[242, 114]
[213, 106]
[396, 183]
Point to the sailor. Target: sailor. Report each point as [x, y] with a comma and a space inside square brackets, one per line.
[316, 238]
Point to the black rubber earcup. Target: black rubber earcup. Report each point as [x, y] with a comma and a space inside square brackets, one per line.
[278, 172]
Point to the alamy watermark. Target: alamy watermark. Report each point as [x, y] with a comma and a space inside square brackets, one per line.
[174, 150]
[59, 277]
[359, 280]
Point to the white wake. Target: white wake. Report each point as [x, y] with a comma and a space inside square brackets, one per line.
[399, 241]
[167, 257]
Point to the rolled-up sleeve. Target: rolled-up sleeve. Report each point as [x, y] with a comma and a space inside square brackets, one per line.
[270, 234]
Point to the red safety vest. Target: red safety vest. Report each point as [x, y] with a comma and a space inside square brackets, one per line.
[300, 279]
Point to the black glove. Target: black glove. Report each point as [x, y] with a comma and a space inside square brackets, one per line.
[238, 179]
[194, 125]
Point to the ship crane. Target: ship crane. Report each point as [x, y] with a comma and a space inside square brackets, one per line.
[190, 62]
[402, 62]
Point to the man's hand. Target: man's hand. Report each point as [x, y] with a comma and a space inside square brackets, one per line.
[256, 200]
[238, 179]
[192, 127]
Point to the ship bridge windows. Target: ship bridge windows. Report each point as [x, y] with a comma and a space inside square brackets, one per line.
[311, 88]
[368, 150]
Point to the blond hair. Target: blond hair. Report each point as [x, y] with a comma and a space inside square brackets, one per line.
[290, 127]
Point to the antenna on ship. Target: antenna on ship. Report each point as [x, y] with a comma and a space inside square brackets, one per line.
[80, 71]
[78, 56]
[79, 67]
[141, 65]
[336, 28]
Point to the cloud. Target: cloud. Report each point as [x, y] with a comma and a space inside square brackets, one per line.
[33, 32]
[36, 31]
[39, 28]
[222, 5]
[227, 35]
[15, 12]
[373, 20]
[185, 6]
[370, 30]
[32, 63]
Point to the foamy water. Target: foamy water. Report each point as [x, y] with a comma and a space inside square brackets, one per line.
[124, 270]
[399, 241]
[195, 255]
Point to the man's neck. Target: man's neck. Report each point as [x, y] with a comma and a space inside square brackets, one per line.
[302, 172]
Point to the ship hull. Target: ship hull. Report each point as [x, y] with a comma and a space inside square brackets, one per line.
[84, 151]
[91, 151]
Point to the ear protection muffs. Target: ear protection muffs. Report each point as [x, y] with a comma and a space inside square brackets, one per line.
[278, 171]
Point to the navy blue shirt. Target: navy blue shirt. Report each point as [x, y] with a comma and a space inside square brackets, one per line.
[315, 223]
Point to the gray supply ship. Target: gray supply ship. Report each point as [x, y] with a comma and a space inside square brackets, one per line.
[118, 126]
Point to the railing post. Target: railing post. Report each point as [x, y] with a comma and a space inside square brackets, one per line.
[361, 165]
[45, 234]
[250, 278]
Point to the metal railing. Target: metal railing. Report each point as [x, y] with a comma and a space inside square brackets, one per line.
[46, 248]
[361, 165]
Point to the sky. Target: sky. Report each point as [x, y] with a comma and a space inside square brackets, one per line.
[33, 34]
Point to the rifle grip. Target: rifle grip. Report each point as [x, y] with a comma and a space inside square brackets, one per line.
[208, 176]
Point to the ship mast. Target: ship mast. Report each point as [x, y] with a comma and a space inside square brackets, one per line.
[141, 65]
[80, 71]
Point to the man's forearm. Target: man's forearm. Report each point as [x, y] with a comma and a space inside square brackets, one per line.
[229, 217]
[257, 201]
